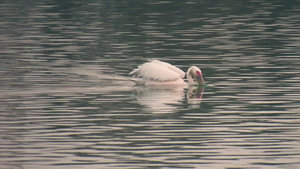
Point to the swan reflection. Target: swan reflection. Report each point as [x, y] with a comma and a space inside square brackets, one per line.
[194, 96]
[195, 92]
[160, 99]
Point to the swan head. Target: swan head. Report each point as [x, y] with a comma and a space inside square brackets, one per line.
[194, 76]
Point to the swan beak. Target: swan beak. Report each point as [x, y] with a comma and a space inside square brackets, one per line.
[199, 78]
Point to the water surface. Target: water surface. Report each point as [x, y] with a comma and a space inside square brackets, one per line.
[67, 100]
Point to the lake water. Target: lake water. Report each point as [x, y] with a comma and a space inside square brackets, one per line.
[67, 101]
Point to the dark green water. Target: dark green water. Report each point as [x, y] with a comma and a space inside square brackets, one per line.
[67, 101]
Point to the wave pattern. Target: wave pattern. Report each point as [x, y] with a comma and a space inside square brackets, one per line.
[67, 101]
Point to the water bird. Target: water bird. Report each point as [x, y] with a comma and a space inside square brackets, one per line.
[156, 72]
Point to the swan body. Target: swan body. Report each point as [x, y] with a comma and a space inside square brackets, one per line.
[156, 72]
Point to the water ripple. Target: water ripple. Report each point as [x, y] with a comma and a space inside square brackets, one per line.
[67, 100]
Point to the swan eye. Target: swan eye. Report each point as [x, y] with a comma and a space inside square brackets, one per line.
[199, 73]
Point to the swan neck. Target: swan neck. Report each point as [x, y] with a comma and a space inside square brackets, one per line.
[190, 79]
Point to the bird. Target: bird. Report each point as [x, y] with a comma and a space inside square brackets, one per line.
[157, 72]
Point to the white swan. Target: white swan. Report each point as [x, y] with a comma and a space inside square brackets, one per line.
[162, 73]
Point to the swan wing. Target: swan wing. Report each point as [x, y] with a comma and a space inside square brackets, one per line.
[158, 71]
